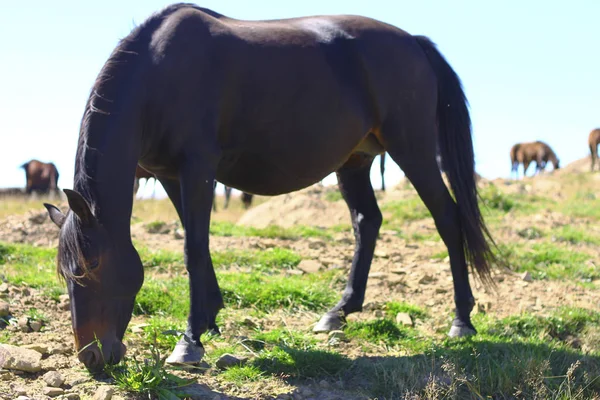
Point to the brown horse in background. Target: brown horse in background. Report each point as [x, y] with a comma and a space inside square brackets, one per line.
[593, 141]
[40, 177]
[528, 152]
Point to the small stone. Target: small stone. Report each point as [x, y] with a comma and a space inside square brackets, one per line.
[526, 276]
[20, 359]
[227, 361]
[404, 319]
[23, 324]
[309, 266]
[426, 279]
[23, 398]
[179, 234]
[3, 288]
[40, 348]
[4, 309]
[250, 323]
[35, 326]
[71, 396]
[61, 349]
[381, 254]
[316, 243]
[336, 335]
[52, 391]
[19, 391]
[53, 379]
[103, 393]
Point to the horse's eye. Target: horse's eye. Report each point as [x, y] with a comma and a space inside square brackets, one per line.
[93, 264]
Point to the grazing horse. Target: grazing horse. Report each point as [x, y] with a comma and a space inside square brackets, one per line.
[526, 153]
[267, 107]
[40, 177]
[593, 140]
[141, 173]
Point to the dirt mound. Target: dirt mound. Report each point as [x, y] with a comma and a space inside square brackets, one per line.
[576, 167]
[309, 207]
[33, 228]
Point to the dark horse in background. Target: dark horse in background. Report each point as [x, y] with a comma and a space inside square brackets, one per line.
[141, 173]
[40, 177]
[593, 141]
[246, 198]
[266, 107]
[528, 152]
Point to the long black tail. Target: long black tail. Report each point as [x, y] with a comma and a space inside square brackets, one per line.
[456, 147]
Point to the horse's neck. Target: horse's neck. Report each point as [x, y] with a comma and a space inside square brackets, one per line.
[106, 175]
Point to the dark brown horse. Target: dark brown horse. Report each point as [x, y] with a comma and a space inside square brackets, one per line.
[40, 177]
[528, 152]
[593, 141]
[266, 107]
[246, 198]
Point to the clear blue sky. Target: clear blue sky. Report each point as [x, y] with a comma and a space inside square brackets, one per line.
[531, 69]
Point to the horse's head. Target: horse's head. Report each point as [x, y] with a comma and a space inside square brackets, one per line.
[103, 273]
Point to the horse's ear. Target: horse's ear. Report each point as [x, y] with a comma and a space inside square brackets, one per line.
[79, 206]
[55, 215]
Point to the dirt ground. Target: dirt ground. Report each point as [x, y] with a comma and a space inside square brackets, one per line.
[402, 270]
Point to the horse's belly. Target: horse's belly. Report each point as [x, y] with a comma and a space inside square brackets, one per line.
[258, 174]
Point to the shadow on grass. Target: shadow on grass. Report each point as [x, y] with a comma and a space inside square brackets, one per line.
[461, 369]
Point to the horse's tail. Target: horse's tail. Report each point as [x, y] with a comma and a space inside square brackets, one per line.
[456, 147]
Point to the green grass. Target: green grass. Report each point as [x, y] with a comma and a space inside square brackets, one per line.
[218, 228]
[392, 308]
[550, 261]
[583, 204]
[300, 363]
[573, 235]
[494, 202]
[396, 213]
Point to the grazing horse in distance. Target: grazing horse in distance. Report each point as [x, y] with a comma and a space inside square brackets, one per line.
[246, 198]
[40, 177]
[141, 173]
[593, 141]
[528, 152]
[266, 107]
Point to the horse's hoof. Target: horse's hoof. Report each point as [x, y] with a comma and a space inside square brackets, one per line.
[186, 353]
[460, 329]
[330, 322]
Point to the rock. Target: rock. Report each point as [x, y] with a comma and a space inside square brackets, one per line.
[23, 398]
[4, 309]
[71, 396]
[336, 335]
[309, 266]
[35, 326]
[404, 319]
[23, 324]
[103, 393]
[179, 234]
[250, 323]
[227, 361]
[40, 348]
[3, 288]
[316, 243]
[61, 348]
[19, 391]
[526, 276]
[426, 279]
[20, 359]
[52, 391]
[53, 379]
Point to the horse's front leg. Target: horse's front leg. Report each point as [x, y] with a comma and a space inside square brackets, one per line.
[197, 188]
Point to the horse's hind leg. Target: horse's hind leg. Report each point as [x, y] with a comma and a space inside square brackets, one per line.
[355, 184]
[414, 151]
[227, 196]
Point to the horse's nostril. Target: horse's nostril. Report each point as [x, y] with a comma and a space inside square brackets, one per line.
[91, 359]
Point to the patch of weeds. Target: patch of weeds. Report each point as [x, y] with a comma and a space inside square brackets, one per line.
[530, 233]
[549, 261]
[583, 204]
[286, 338]
[396, 213]
[573, 235]
[28, 265]
[379, 330]
[243, 374]
[269, 260]
[294, 363]
[163, 332]
[392, 308]
[161, 259]
[333, 195]
[441, 255]
[271, 292]
[36, 315]
[148, 378]
[157, 227]
[221, 228]
[492, 198]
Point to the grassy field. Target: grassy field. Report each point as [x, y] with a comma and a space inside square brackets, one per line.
[552, 352]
